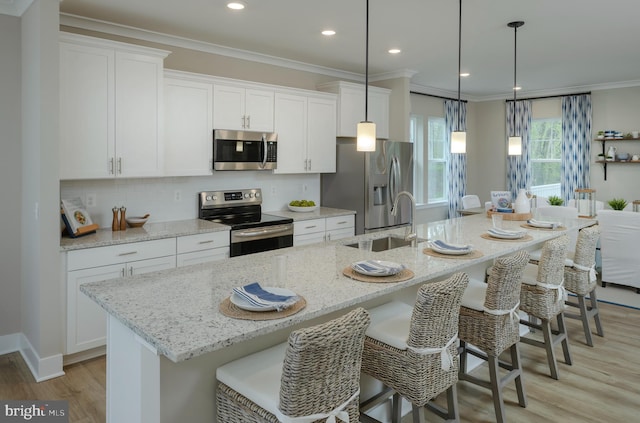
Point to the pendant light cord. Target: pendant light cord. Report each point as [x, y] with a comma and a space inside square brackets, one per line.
[366, 70]
[459, 61]
[515, 25]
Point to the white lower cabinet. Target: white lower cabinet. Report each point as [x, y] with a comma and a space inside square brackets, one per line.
[202, 248]
[318, 230]
[86, 321]
[339, 227]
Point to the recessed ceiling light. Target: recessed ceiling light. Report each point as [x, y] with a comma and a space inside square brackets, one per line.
[235, 5]
[465, 74]
[394, 50]
[328, 32]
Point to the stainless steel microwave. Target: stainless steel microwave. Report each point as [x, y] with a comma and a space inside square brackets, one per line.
[244, 150]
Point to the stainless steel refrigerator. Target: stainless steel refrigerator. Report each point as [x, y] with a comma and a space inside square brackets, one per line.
[369, 183]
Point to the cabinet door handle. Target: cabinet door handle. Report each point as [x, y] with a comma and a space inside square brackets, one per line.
[119, 165]
[110, 166]
[206, 242]
[122, 272]
[309, 165]
[248, 121]
[130, 270]
[244, 121]
[128, 253]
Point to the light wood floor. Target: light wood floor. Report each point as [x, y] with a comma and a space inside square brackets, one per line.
[603, 385]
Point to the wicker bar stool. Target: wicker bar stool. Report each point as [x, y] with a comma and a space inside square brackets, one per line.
[580, 279]
[413, 350]
[313, 377]
[542, 297]
[489, 321]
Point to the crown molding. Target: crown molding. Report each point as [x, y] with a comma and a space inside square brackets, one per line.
[171, 40]
[14, 7]
[402, 73]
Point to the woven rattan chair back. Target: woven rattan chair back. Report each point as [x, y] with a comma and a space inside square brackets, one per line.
[503, 285]
[551, 264]
[585, 254]
[322, 363]
[436, 312]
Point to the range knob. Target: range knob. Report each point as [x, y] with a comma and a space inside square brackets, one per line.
[246, 195]
[257, 195]
[209, 198]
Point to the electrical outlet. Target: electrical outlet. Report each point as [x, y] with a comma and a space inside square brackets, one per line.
[91, 200]
[177, 195]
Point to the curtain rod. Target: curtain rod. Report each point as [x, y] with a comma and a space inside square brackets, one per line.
[550, 96]
[437, 96]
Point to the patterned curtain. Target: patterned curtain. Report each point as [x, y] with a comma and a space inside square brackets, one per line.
[457, 174]
[519, 167]
[576, 144]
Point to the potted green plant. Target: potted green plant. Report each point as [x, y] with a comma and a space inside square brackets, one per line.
[554, 200]
[617, 203]
[600, 135]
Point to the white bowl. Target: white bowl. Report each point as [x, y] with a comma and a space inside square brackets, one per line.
[302, 209]
[136, 221]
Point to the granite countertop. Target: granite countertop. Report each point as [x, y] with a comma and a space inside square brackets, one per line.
[176, 310]
[150, 231]
[319, 213]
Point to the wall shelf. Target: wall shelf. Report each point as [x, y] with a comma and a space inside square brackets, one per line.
[606, 162]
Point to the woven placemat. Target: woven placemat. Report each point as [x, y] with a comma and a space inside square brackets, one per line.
[491, 238]
[558, 228]
[472, 255]
[403, 275]
[231, 310]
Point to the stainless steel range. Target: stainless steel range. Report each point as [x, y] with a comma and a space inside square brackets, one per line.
[251, 231]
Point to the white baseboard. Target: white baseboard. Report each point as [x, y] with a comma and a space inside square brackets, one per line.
[41, 368]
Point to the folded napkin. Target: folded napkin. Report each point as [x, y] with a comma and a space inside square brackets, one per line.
[543, 223]
[506, 232]
[255, 295]
[454, 247]
[377, 267]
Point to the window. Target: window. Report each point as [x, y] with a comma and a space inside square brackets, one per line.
[546, 156]
[430, 159]
[437, 164]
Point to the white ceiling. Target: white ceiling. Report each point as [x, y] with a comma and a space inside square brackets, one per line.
[564, 46]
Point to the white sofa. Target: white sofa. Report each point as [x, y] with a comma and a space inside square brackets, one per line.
[620, 247]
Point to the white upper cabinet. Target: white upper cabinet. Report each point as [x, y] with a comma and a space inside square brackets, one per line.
[188, 126]
[242, 108]
[110, 106]
[351, 107]
[305, 124]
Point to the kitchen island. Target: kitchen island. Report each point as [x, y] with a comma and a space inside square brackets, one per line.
[166, 335]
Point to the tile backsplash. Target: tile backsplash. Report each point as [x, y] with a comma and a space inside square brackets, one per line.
[167, 199]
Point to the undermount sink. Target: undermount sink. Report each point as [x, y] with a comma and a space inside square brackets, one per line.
[387, 243]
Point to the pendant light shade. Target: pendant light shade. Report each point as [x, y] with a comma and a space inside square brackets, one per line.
[366, 132]
[515, 141]
[459, 137]
[366, 136]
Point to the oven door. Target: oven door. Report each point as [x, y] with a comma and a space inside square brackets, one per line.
[244, 150]
[265, 238]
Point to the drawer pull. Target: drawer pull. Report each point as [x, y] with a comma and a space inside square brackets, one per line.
[206, 242]
[128, 254]
[310, 227]
[342, 223]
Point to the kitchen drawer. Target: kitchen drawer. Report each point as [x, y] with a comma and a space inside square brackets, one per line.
[340, 222]
[204, 256]
[199, 242]
[309, 238]
[114, 254]
[340, 233]
[309, 226]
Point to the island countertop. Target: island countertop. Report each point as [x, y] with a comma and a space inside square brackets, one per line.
[176, 311]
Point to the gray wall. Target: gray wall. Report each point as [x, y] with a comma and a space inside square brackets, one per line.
[10, 175]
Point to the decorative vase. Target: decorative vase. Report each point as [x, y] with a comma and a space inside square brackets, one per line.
[522, 202]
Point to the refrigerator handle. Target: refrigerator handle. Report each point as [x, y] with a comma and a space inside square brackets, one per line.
[393, 178]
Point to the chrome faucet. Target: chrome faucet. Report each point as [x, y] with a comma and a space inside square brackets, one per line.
[412, 236]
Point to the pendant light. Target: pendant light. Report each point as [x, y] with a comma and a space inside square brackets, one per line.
[459, 137]
[366, 132]
[515, 141]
